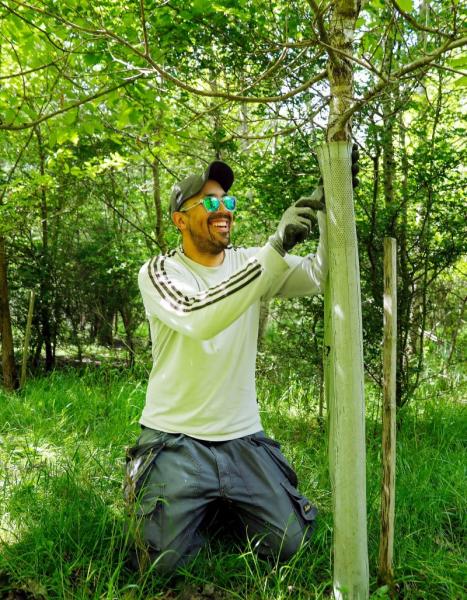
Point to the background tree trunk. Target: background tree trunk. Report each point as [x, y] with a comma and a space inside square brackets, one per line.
[10, 378]
[404, 295]
[45, 274]
[159, 228]
[27, 336]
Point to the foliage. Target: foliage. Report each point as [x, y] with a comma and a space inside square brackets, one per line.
[104, 105]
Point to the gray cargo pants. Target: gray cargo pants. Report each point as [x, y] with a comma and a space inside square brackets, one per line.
[173, 482]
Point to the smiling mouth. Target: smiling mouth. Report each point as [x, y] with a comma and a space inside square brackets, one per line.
[220, 224]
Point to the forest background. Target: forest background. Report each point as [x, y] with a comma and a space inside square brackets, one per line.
[103, 107]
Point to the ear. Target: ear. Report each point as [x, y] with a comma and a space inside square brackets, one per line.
[179, 220]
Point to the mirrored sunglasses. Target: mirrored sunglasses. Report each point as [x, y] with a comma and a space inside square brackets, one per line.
[212, 203]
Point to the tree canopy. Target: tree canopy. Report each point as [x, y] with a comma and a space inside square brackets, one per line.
[103, 105]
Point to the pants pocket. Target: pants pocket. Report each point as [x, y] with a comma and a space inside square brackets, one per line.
[306, 512]
[144, 500]
[139, 460]
[273, 449]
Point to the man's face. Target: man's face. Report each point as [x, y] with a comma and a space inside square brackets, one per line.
[208, 231]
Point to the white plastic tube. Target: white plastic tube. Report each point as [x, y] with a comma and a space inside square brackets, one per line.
[347, 457]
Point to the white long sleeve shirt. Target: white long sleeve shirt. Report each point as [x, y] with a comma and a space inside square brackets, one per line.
[204, 329]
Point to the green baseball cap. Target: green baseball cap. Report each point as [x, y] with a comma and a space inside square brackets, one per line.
[190, 186]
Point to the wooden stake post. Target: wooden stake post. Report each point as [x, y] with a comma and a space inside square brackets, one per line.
[389, 413]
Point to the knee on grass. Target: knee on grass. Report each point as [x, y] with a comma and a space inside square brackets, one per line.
[281, 546]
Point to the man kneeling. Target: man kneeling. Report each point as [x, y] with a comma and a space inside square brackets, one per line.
[202, 444]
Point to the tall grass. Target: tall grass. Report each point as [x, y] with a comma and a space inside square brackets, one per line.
[62, 518]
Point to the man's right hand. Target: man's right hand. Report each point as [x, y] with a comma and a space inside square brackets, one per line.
[295, 224]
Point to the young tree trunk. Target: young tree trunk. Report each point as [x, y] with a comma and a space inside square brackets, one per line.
[217, 123]
[45, 291]
[159, 228]
[389, 165]
[372, 250]
[455, 332]
[129, 329]
[343, 314]
[404, 300]
[104, 325]
[10, 378]
[37, 351]
[27, 336]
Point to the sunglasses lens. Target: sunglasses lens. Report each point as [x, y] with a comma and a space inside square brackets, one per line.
[230, 202]
[211, 203]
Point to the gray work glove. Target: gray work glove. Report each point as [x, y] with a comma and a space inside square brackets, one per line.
[295, 224]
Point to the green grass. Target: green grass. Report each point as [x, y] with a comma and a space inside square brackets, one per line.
[62, 518]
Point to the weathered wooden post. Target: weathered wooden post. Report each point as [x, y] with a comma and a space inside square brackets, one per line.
[386, 543]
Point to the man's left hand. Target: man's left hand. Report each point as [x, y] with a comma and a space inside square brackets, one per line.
[315, 201]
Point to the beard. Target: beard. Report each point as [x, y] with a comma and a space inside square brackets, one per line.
[213, 245]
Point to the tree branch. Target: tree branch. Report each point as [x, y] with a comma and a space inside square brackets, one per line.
[213, 108]
[321, 28]
[122, 216]
[217, 94]
[11, 127]
[408, 17]
[33, 25]
[143, 24]
[267, 136]
[285, 131]
[450, 69]
[21, 73]
[167, 76]
[425, 61]
[359, 61]
[14, 167]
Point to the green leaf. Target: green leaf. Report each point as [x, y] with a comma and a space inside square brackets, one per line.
[123, 118]
[70, 116]
[76, 171]
[376, 4]
[90, 126]
[52, 138]
[201, 6]
[406, 5]
[61, 135]
[66, 134]
[127, 116]
[92, 59]
[461, 82]
[10, 115]
[459, 61]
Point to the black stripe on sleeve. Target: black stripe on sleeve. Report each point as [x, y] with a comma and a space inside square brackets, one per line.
[184, 304]
[159, 274]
